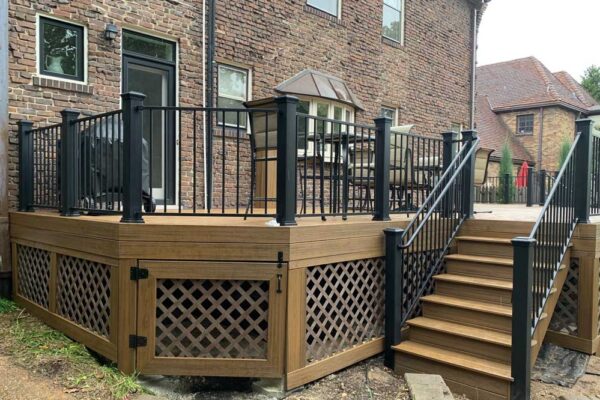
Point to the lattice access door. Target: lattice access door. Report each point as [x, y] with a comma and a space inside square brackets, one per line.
[212, 319]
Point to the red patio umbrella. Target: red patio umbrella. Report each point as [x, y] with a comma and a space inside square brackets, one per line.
[522, 176]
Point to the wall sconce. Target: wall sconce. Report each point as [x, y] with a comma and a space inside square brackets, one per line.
[110, 32]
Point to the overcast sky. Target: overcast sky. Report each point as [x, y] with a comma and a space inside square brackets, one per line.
[563, 35]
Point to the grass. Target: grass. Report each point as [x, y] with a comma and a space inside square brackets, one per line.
[36, 346]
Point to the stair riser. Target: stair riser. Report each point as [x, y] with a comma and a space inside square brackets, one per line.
[471, 292]
[465, 316]
[479, 269]
[458, 343]
[470, 248]
[460, 381]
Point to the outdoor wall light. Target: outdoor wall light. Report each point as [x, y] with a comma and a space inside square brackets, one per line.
[110, 32]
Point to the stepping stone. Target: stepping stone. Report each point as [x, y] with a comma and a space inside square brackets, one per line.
[427, 387]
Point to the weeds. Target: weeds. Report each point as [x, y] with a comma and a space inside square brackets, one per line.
[7, 306]
[38, 347]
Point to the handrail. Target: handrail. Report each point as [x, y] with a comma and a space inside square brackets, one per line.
[538, 257]
[441, 195]
[556, 180]
[415, 255]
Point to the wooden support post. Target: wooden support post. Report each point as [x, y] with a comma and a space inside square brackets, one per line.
[127, 318]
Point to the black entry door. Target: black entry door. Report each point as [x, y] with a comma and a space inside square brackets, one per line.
[157, 81]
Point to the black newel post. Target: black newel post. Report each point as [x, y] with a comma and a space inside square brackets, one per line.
[530, 187]
[25, 166]
[449, 152]
[583, 171]
[542, 184]
[286, 159]
[506, 188]
[381, 210]
[469, 174]
[132, 157]
[522, 305]
[393, 293]
[69, 164]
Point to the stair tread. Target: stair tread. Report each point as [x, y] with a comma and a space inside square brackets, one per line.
[484, 239]
[475, 281]
[468, 362]
[475, 305]
[466, 331]
[508, 262]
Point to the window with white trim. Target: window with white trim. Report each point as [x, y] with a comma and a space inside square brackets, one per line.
[232, 83]
[332, 7]
[323, 108]
[393, 20]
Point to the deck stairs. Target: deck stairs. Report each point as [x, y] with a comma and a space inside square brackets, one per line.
[464, 333]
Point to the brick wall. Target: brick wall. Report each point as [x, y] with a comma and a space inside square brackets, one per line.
[428, 78]
[558, 123]
[41, 100]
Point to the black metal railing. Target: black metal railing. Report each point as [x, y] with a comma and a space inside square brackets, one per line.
[416, 254]
[539, 257]
[269, 161]
[595, 189]
[38, 166]
[509, 189]
[98, 142]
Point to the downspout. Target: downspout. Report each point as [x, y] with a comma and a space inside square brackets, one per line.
[474, 67]
[210, 60]
[540, 153]
[5, 278]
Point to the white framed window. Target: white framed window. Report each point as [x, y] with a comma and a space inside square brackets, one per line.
[391, 113]
[393, 20]
[232, 92]
[525, 124]
[333, 7]
[327, 109]
[61, 49]
[456, 127]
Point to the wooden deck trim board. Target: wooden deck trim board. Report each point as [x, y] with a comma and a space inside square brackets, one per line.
[70, 329]
[296, 320]
[322, 368]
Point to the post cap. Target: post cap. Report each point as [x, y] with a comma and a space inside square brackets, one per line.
[133, 96]
[25, 123]
[393, 231]
[286, 98]
[523, 241]
[70, 112]
[450, 135]
[472, 133]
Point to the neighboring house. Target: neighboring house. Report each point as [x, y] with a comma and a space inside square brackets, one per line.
[521, 102]
[411, 60]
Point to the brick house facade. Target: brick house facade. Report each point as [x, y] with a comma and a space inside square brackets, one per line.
[522, 103]
[425, 77]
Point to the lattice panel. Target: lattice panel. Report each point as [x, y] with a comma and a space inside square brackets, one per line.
[212, 318]
[344, 306]
[33, 274]
[83, 293]
[564, 319]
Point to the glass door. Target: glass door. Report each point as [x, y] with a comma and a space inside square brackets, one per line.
[150, 71]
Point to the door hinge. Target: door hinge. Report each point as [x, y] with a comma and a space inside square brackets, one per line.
[137, 273]
[137, 341]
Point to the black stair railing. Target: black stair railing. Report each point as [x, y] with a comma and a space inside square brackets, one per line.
[416, 254]
[539, 256]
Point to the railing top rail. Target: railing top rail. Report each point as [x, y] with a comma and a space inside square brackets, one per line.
[209, 109]
[557, 180]
[96, 116]
[335, 121]
[44, 128]
[438, 197]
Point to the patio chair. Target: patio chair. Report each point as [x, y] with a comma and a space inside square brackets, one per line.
[401, 175]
